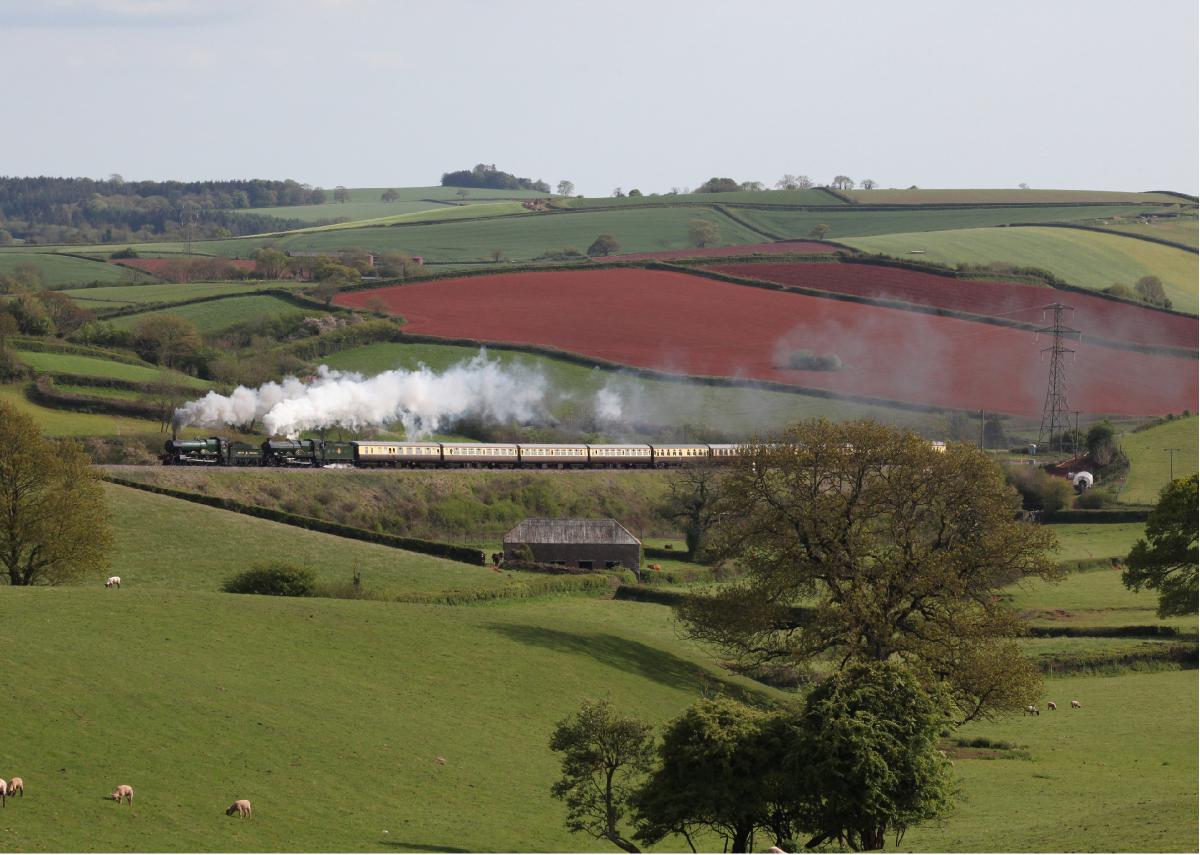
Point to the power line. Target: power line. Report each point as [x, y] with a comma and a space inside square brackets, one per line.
[1056, 412]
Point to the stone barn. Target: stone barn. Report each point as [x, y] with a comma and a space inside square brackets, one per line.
[583, 544]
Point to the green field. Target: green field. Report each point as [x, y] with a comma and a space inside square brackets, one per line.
[1179, 230]
[99, 299]
[1090, 598]
[811, 196]
[1084, 258]
[168, 543]
[364, 203]
[89, 366]
[1014, 196]
[55, 422]
[1083, 541]
[1150, 462]
[216, 315]
[57, 270]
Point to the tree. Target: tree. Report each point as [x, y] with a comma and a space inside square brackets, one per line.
[787, 182]
[389, 195]
[635, 193]
[1102, 442]
[862, 543]
[718, 185]
[867, 184]
[752, 186]
[165, 339]
[565, 188]
[869, 762]
[341, 194]
[618, 193]
[819, 231]
[65, 314]
[604, 757]
[8, 327]
[53, 519]
[692, 502]
[1150, 290]
[842, 182]
[713, 773]
[270, 263]
[703, 233]
[803, 182]
[1165, 560]
[462, 193]
[603, 245]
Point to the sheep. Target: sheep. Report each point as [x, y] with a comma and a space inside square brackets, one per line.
[1075, 705]
[1032, 710]
[1050, 705]
[123, 792]
[241, 807]
[16, 784]
[113, 582]
[3, 793]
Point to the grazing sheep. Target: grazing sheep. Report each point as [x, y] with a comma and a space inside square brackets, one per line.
[241, 807]
[123, 792]
[1050, 705]
[1032, 710]
[113, 582]
[3, 793]
[1075, 705]
[16, 784]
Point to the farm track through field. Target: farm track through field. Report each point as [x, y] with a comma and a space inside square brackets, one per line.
[692, 325]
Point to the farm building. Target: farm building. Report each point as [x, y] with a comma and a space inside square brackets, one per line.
[585, 544]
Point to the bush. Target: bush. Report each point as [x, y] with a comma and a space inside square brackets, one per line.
[1039, 490]
[806, 360]
[127, 252]
[273, 578]
[1094, 499]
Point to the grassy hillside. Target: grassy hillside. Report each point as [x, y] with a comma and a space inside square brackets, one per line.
[812, 196]
[216, 315]
[169, 543]
[54, 422]
[1150, 463]
[88, 366]
[57, 270]
[1084, 541]
[1084, 258]
[328, 715]
[1182, 230]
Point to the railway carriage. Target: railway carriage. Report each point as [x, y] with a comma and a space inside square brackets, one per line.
[619, 456]
[553, 456]
[679, 455]
[480, 455]
[409, 455]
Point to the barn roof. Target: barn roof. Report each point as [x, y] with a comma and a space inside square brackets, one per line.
[570, 531]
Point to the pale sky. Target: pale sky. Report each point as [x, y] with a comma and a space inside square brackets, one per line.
[1087, 94]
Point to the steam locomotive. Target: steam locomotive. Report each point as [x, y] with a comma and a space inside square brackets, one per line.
[363, 454]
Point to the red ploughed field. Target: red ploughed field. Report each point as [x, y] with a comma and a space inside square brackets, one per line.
[798, 246]
[693, 325]
[1094, 316]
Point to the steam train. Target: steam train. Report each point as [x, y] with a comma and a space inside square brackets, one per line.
[363, 454]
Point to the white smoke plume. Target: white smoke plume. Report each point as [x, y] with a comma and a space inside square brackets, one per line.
[421, 399]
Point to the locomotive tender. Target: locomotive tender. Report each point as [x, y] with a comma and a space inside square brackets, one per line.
[366, 454]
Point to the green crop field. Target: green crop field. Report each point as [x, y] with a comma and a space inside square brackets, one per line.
[89, 366]
[1084, 258]
[737, 413]
[216, 315]
[439, 214]
[1150, 462]
[365, 204]
[853, 223]
[1015, 196]
[57, 270]
[99, 299]
[811, 196]
[1181, 229]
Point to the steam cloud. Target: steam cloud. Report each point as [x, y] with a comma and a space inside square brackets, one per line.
[422, 400]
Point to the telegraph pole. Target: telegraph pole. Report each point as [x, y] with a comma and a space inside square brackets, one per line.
[1056, 419]
[1171, 452]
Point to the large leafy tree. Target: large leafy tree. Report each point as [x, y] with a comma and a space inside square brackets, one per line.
[862, 543]
[605, 756]
[1165, 560]
[714, 773]
[53, 518]
[868, 762]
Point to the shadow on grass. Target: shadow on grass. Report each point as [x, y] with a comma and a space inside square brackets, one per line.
[419, 847]
[630, 656]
